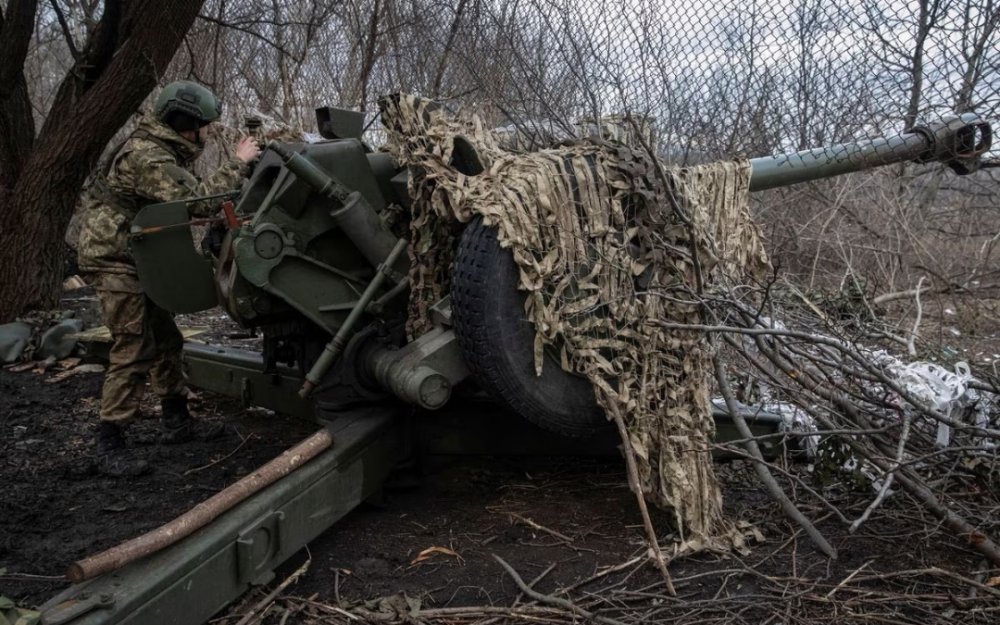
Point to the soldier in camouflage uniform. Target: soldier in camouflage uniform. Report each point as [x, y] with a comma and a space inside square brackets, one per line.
[153, 165]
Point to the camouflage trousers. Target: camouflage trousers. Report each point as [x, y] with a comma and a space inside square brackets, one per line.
[145, 343]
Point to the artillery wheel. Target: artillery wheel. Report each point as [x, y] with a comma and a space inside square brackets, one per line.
[497, 341]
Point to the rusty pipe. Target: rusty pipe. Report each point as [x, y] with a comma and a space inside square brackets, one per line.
[202, 514]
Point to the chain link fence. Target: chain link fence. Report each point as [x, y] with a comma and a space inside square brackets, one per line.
[711, 79]
[699, 81]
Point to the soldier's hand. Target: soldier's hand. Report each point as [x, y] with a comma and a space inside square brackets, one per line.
[248, 150]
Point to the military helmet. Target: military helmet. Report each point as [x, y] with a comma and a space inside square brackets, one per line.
[184, 98]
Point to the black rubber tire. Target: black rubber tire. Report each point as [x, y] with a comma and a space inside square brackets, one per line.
[497, 341]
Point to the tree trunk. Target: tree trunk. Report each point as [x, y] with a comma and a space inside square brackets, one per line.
[127, 54]
[17, 127]
[974, 58]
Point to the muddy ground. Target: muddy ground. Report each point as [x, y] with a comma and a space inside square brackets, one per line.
[574, 513]
[590, 521]
[565, 517]
[56, 507]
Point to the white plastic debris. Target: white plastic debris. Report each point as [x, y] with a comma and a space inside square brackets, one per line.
[796, 420]
[930, 386]
[946, 392]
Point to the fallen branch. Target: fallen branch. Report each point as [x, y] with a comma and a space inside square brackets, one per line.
[633, 480]
[772, 486]
[266, 602]
[202, 514]
[597, 576]
[524, 612]
[889, 297]
[900, 451]
[535, 581]
[911, 347]
[218, 460]
[562, 603]
[847, 579]
[539, 527]
[934, 570]
[954, 522]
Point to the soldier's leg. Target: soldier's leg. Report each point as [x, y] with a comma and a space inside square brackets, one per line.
[132, 355]
[169, 382]
[131, 358]
[167, 373]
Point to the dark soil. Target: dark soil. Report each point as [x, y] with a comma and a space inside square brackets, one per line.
[475, 508]
[55, 507]
[466, 506]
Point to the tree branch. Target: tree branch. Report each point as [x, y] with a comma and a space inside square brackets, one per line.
[64, 26]
[772, 486]
[16, 29]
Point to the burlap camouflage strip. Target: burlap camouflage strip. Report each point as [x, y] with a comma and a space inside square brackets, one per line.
[569, 215]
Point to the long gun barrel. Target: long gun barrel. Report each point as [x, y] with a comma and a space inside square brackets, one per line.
[958, 142]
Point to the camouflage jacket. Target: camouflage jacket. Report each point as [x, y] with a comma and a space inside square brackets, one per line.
[154, 165]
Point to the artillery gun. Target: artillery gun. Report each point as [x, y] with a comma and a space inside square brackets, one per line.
[320, 271]
[307, 256]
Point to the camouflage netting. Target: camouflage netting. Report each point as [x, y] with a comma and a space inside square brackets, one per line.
[604, 256]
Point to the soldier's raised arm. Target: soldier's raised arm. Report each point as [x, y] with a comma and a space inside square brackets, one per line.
[160, 179]
[186, 110]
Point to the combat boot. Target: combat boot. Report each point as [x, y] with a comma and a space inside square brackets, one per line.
[115, 459]
[181, 427]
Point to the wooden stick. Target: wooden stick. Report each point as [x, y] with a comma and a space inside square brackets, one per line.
[761, 467]
[633, 479]
[900, 453]
[266, 602]
[534, 582]
[562, 603]
[597, 576]
[911, 343]
[218, 460]
[539, 526]
[915, 486]
[202, 514]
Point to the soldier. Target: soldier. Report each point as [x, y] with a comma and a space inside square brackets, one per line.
[153, 165]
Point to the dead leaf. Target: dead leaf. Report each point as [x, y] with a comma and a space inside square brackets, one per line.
[428, 553]
[73, 282]
[993, 581]
[68, 363]
[59, 377]
[44, 365]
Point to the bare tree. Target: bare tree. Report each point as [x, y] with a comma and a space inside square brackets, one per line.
[979, 50]
[114, 69]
